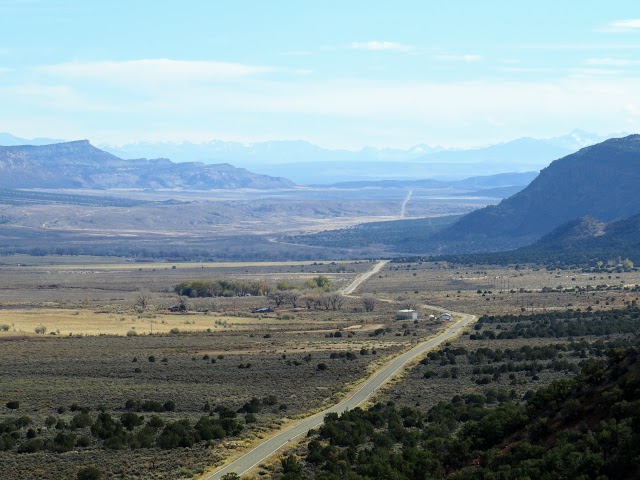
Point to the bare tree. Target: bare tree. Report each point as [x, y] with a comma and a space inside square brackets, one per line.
[309, 301]
[369, 303]
[324, 301]
[410, 304]
[183, 303]
[143, 299]
[292, 297]
[277, 297]
[336, 301]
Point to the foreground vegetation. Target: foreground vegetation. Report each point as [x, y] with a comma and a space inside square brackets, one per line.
[515, 397]
[583, 427]
[220, 375]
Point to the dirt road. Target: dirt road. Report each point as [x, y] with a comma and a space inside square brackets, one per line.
[360, 279]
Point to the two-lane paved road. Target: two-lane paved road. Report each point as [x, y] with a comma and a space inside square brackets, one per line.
[267, 448]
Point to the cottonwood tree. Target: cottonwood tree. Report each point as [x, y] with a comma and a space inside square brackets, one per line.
[143, 299]
[410, 304]
[332, 301]
[183, 303]
[277, 297]
[369, 303]
[310, 301]
[324, 301]
[292, 297]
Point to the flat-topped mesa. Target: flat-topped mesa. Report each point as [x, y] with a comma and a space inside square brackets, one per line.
[79, 164]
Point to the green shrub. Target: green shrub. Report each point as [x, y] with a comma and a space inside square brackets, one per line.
[81, 420]
[83, 441]
[31, 446]
[63, 442]
[155, 422]
[89, 473]
[130, 420]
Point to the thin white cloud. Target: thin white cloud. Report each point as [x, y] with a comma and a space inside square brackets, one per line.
[526, 69]
[60, 98]
[460, 58]
[382, 46]
[613, 62]
[590, 72]
[161, 69]
[622, 26]
[308, 106]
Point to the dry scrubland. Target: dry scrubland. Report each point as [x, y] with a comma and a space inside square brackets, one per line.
[503, 290]
[218, 353]
[96, 351]
[499, 360]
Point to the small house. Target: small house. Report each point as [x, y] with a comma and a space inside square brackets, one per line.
[407, 314]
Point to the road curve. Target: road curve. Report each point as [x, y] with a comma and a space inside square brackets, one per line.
[270, 446]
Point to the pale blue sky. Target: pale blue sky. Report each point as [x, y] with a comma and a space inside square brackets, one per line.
[335, 73]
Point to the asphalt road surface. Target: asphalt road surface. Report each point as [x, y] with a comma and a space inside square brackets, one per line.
[270, 446]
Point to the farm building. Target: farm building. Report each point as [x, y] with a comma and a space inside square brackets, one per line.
[407, 315]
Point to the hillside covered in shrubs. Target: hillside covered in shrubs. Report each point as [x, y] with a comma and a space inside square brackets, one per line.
[586, 427]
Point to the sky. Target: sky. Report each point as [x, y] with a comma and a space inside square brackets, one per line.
[340, 74]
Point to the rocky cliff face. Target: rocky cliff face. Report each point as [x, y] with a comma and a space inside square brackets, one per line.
[599, 181]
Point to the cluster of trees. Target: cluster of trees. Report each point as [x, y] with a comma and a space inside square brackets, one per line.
[128, 430]
[615, 259]
[310, 300]
[495, 362]
[150, 406]
[559, 324]
[281, 292]
[154, 432]
[222, 288]
[584, 427]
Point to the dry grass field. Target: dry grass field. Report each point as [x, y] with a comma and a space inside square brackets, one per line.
[87, 281]
[499, 290]
[218, 353]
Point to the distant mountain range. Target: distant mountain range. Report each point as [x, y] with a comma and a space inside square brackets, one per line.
[80, 165]
[306, 163]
